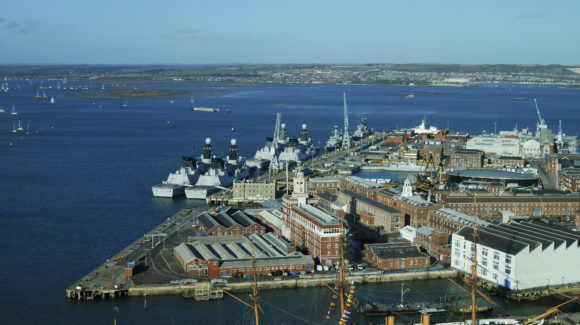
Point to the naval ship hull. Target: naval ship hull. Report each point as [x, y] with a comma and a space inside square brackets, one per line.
[168, 190]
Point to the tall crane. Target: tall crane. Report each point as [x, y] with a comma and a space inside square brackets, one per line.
[274, 163]
[542, 123]
[345, 137]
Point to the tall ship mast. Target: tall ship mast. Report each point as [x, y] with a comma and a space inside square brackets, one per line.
[345, 137]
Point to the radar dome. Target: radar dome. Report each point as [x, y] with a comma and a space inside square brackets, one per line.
[207, 140]
[283, 125]
[233, 142]
[303, 126]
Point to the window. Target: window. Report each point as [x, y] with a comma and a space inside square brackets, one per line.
[495, 265]
[484, 261]
[508, 270]
[495, 255]
[495, 276]
[484, 251]
[402, 263]
[508, 259]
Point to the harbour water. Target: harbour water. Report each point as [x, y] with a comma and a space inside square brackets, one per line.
[77, 189]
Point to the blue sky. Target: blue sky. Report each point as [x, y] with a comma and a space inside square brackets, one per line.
[316, 31]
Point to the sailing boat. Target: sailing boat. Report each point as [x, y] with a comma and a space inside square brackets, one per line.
[28, 127]
[14, 127]
[52, 100]
[125, 105]
[5, 85]
[2, 109]
[20, 128]
[14, 111]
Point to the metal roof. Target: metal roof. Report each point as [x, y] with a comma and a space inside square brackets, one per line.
[491, 174]
[395, 250]
[369, 201]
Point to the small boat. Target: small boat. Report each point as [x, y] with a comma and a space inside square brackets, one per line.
[2, 109]
[14, 128]
[14, 112]
[20, 128]
[52, 100]
[125, 105]
[233, 129]
[228, 110]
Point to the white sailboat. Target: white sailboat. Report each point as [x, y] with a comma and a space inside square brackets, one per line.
[14, 111]
[2, 109]
[52, 100]
[125, 105]
[14, 127]
[20, 128]
[28, 127]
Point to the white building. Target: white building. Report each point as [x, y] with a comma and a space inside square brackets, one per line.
[408, 233]
[531, 148]
[520, 255]
[495, 146]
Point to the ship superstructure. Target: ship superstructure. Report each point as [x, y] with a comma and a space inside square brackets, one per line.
[281, 150]
[362, 131]
[335, 140]
[176, 182]
[215, 173]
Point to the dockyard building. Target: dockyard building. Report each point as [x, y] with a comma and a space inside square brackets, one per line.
[371, 212]
[451, 221]
[466, 158]
[232, 256]
[314, 230]
[272, 218]
[520, 255]
[495, 145]
[395, 256]
[521, 203]
[434, 242]
[569, 179]
[325, 184]
[246, 190]
[492, 175]
[561, 161]
[224, 224]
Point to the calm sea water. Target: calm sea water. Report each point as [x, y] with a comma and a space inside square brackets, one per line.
[77, 189]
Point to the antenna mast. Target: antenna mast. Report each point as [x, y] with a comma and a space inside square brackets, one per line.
[255, 296]
[345, 137]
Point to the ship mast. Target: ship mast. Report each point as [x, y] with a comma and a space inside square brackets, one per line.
[474, 265]
[345, 137]
[255, 296]
[341, 283]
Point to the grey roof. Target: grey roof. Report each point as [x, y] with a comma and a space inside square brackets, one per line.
[507, 244]
[467, 151]
[236, 251]
[225, 220]
[207, 220]
[491, 174]
[395, 250]
[328, 196]
[272, 204]
[425, 230]
[369, 201]
[242, 219]
[318, 215]
[460, 217]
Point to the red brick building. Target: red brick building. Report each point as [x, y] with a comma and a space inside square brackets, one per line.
[466, 158]
[569, 179]
[523, 203]
[314, 230]
[231, 256]
[395, 256]
[371, 212]
[325, 184]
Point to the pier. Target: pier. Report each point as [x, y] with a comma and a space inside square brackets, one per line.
[147, 267]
